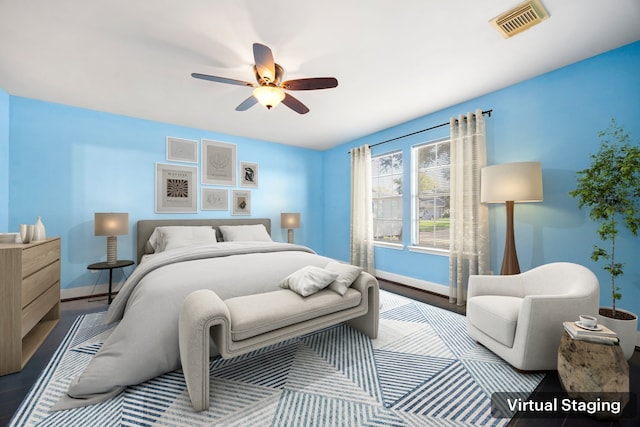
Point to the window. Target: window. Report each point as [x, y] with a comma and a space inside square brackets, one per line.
[431, 188]
[386, 187]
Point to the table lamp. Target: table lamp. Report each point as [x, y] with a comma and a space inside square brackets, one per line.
[111, 224]
[511, 183]
[290, 221]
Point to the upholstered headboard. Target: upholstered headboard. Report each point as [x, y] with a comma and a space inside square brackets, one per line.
[146, 226]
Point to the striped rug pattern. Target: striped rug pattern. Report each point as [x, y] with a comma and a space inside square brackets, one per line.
[422, 370]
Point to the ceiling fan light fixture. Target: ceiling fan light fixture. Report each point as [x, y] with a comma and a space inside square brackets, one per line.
[269, 96]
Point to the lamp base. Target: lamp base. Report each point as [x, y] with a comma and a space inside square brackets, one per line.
[290, 235]
[510, 263]
[112, 250]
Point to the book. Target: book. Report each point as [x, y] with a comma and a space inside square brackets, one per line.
[602, 334]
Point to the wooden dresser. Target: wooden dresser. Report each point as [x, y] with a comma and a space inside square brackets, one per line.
[29, 299]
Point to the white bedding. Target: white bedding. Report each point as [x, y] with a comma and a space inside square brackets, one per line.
[144, 344]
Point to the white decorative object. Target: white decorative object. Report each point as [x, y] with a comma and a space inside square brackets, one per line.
[38, 230]
[29, 234]
[23, 233]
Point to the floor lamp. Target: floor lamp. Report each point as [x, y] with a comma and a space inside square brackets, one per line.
[511, 183]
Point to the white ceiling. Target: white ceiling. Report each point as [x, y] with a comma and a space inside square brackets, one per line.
[395, 60]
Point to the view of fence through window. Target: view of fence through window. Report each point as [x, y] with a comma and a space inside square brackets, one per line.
[386, 174]
[433, 197]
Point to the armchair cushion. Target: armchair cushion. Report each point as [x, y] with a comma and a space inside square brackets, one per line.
[496, 315]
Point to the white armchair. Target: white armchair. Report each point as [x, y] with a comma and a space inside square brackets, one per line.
[520, 317]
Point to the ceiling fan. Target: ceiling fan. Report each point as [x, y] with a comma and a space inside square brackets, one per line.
[270, 88]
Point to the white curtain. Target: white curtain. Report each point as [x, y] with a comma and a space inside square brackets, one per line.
[361, 209]
[469, 232]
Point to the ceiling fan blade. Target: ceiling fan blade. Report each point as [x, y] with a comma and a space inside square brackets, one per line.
[265, 65]
[294, 104]
[247, 103]
[221, 79]
[310, 84]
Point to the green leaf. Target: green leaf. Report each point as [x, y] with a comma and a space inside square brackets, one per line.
[610, 189]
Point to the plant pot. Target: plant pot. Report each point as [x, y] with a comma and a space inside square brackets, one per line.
[627, 330]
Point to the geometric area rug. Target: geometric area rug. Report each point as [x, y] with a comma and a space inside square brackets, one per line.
[422, 370]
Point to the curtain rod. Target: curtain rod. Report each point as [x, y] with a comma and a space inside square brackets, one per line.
[487, 112]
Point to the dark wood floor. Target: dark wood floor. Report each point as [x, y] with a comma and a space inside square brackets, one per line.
[14, 387]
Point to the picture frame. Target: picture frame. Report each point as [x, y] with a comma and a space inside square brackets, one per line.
[182, 150]
[241, 202]
[176, 188]
[214, 199]
[248, 174]
[218, 163]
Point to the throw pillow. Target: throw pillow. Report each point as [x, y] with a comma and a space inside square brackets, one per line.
[308, 280]
[243, 233]
[347, 274]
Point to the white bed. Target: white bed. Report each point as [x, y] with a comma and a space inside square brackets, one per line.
[144, 344]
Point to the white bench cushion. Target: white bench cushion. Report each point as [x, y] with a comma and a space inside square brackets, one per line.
[495, 315]
[257, 314]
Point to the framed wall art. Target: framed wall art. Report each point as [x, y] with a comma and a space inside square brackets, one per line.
[182, 150]
[214, 199]
[241, 202]
[248, 174]
[176, 189]
[218, 163]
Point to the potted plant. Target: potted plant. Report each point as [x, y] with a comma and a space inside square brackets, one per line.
[610, 188]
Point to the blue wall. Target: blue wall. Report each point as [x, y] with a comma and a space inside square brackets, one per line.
[554, 119]
[4, 160]
[67, 163]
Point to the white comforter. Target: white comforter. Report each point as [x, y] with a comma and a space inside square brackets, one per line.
[145, 342]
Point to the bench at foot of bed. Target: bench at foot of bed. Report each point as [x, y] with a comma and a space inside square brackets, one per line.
[243, 324]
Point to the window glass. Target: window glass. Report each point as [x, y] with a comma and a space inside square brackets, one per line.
[432, 198]
[386, 175]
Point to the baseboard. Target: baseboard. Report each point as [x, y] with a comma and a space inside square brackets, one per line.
[414, 283]
[85, 292]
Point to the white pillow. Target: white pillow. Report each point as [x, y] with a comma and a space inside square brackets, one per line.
[347, 274]
[308, 280]
[174, 237]
[244, 233]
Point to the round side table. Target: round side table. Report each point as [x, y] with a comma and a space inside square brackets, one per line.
[106, 266]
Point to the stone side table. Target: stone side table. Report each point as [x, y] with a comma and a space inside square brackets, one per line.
[592, 370]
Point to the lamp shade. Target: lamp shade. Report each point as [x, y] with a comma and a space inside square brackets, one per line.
[290, 220]
[516, 182]
[111, 224]
[269, 96]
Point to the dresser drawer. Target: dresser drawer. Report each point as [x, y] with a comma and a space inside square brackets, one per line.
[40, 281]
[38, 256]
[35, 311]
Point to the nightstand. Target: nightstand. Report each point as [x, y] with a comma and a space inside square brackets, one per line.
[106, 266]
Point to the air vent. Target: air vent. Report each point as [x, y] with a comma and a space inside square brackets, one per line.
[520, 18]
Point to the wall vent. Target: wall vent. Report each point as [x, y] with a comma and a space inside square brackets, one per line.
[520, 18]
